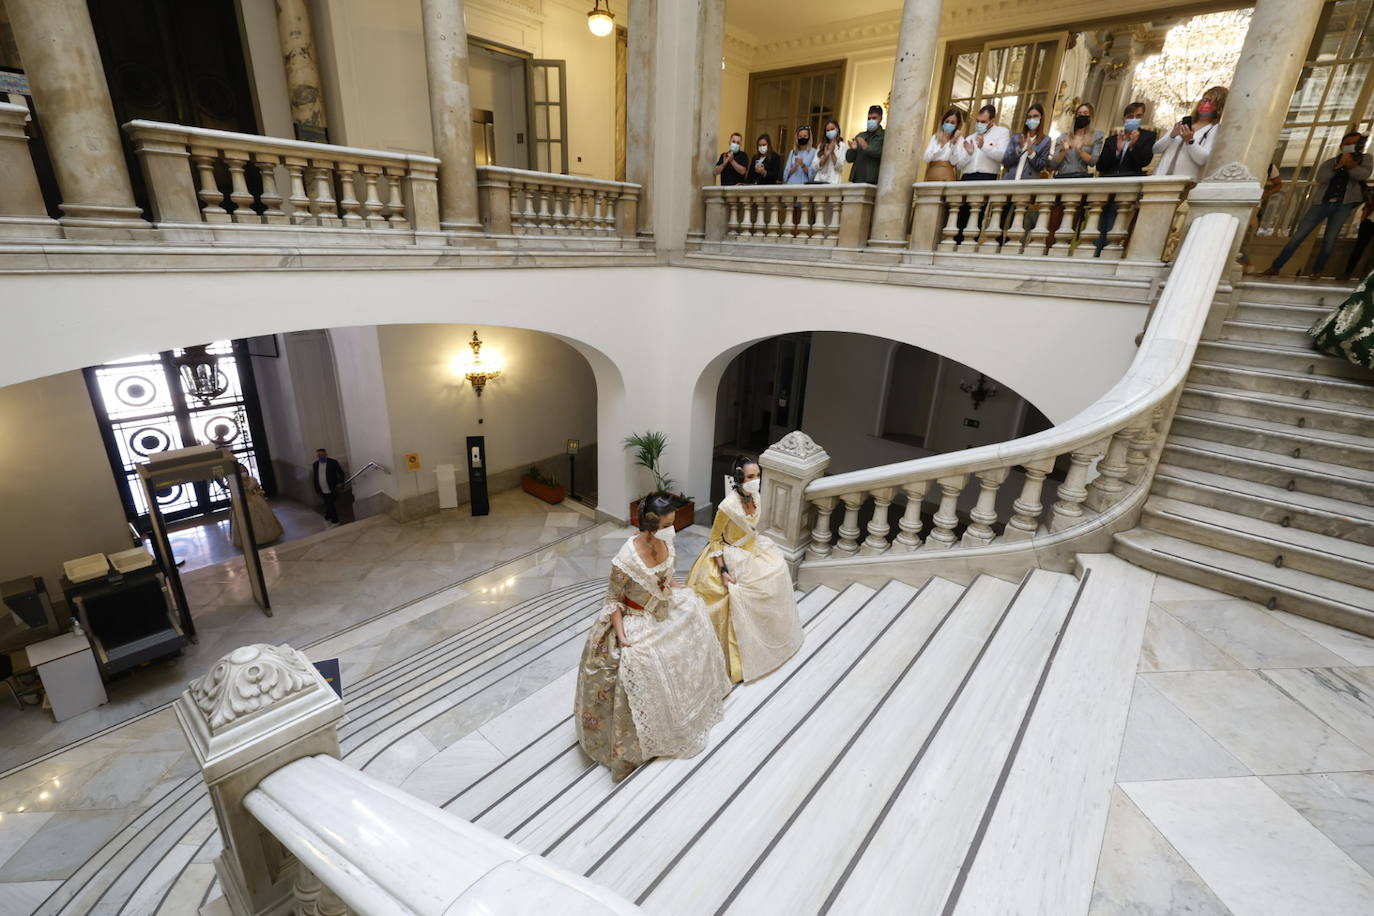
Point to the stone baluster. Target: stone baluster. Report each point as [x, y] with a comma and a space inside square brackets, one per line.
[1025, 518]
[991, 239]
[849, 532]
[322, 204]
[545, 225]
[746, 222]
[1092, 227]
[395, 199]
[1109, 487]
[984, 514]
[558, 210]
[1038, 235]
[950, 231]
[212, 208]
[529, 220]
[605, 212]
[1017, 230]
[348, 195]
[584, 210]
[832, 223]
[1115, 249]
[973, 229]
[910, 523]
[806, 223]
[1142, 444]
[789, 466]
[946, 519]
[770, 204]
[733, 220]
[271, 198]
[821, 535]
[237, 161]
[314, 899]
[299, 200]
[878, 528]
[1064, 236]
[372, 203]
[1068, 508]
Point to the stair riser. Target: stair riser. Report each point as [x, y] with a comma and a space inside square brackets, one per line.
[1268, 441]
[1313, 364]
[1316, 388]
[1297, 294]
[1273, 476]
[1289, 316]
[1252, 590]
[1340, 569]
[1231, 501]
[1266, 334]
[1316, 418]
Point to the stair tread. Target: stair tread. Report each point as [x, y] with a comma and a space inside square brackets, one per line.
[1266, 397]
[1328, 437]
[1267, 325]
[1301, 501]
[1299, 379]
[1293, 580]
[1272, 459]
[1259, 528]
[1276, 349]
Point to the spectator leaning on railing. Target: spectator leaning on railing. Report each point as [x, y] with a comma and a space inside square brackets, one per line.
[733, 164]
[1028, 152]
[943, 150]
[982, 151]
[866, 150]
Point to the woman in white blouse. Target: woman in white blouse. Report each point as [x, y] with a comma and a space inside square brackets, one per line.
[829, 164]
[944, 154]
[1185, 151]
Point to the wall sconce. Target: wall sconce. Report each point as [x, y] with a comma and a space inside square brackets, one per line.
[979, 392]
[474, 369]
[200, 374]
[601, 21]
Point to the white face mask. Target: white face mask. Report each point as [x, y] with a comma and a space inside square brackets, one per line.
[831, 134]
[752, 486]
[763, 150]
[666, 535]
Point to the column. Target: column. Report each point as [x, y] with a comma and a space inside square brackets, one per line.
[639, 107]
[62, 62]
[450, 113]
[302, 70]
[711, 45]
[1262, 88]
[907, 122]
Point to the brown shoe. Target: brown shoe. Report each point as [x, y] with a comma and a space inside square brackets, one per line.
[1271, 272]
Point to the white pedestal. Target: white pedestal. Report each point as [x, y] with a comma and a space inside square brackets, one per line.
[70, 677]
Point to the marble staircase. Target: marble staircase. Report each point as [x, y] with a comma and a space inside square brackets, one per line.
[1265, 488]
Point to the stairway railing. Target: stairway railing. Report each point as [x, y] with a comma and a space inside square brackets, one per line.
[1107, 453]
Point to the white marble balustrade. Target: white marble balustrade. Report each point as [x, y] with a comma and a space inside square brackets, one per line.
[1048, 217]
[277, 182]
[516, 202]
[820, 215]
[1103, 458]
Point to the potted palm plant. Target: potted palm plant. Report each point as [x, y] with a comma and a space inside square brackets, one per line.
[545, 486]
[648, 449]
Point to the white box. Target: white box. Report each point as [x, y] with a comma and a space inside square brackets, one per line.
[447, 481]
[84, 569]
[129, 560]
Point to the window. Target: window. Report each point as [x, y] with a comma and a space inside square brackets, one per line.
[1010, 74]
[780, 101]
[143, 409]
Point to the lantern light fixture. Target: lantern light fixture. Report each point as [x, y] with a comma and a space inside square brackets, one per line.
[477, 370]
[200, 374]
[601, 21]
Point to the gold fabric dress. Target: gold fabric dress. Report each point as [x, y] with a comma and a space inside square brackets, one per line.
[266, 528]
[756, 620]
[660, 695]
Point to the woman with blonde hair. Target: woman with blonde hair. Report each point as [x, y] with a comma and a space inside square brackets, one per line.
[1185, 151]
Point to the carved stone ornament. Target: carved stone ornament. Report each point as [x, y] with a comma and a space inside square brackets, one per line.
[1232, 171]
[249, 679]
[797, 444]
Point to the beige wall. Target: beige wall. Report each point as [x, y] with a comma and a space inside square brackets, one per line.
[58, 498]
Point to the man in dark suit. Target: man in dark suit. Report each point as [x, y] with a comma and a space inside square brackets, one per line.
[1127, 153]
[328, 477]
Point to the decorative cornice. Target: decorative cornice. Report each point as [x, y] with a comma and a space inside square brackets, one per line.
[796, 444]
[249, 679]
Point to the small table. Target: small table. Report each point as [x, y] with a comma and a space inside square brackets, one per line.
[70, 677]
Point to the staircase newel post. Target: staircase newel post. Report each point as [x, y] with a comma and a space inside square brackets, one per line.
[789, 466]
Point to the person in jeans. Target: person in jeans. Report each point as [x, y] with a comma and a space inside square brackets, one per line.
[866, 150]
[1126, 153]
[1338, 191]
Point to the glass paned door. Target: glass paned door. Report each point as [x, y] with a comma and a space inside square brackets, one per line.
[1012, 75]
[143, 408]
[548, 115]
[780, 101]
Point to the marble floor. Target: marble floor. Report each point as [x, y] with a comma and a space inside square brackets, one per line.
[206, 541]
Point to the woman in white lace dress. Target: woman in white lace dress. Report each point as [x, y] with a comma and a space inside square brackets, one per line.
[744, 580]
[651, 680]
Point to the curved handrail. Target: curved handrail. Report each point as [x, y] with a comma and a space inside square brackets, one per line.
[1164, 357]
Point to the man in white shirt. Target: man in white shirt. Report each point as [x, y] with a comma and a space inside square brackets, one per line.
[327, 475]
[980, 157]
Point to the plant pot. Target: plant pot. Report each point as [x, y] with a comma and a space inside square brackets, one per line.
[552, 495]
[686, 514]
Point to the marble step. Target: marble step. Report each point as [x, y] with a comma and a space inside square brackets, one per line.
[1039, 853]
[1293, 590]
[1340, 559]
[1278, 438]
[1285, 335]
[927, 832]
[1300, 475]
[1335, 518]
[761, 853]
[1293, 360]
[1296, 412]
[1282, 292]
[1298, 317]
[1290, 384]
[668, 800]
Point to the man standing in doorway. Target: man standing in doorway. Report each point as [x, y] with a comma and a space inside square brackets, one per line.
[328, 477]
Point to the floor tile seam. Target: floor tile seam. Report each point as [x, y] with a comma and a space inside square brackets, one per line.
[1164, 838]
[140, 855]
[1213, 643]
[1354, 742]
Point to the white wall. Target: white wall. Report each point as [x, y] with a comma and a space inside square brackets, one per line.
[367, 426]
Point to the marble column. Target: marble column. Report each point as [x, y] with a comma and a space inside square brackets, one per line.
[907, 122]
[1266, 74]
[62, 61]
[302, 70]
[639, 107]
[710, 48]
[450, 113]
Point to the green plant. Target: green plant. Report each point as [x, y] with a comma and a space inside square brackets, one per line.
[538, 476]
[648, 448]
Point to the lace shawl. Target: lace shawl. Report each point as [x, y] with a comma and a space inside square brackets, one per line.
[627, 567]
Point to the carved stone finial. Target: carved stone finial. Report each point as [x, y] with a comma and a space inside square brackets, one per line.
[249, 679]
[797, 444]
[1232, 171]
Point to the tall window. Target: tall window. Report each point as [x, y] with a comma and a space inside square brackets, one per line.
[1333, 96]
[1011, 74]
[780, 101]
[143, 408]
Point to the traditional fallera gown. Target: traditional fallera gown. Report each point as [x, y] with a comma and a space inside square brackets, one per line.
[266, 528]
[1348, 332]
[756, 619]
[660, 695]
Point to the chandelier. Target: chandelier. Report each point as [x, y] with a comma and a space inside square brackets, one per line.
[200, 374]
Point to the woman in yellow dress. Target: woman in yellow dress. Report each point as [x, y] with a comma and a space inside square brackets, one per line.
[744, 580]
[651, 682]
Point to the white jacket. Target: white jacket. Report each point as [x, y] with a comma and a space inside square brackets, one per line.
[940, 149]
[988, 157]
[829, 169]
[1182, 159]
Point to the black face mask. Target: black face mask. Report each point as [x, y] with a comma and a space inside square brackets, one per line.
[1082, 121]
[802, 141]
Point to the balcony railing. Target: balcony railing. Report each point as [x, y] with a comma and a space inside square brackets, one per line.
[517, 203]
[820, 216]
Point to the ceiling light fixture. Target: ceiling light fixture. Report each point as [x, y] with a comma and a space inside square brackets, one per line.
[601, 22]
